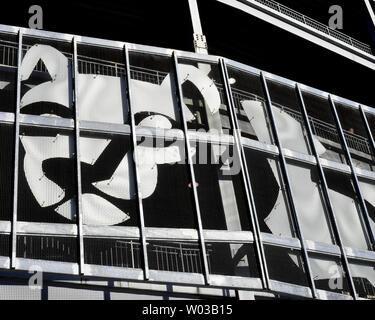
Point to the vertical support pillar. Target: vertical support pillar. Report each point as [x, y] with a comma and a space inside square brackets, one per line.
[246, 178]
[289, 190]
[78, 158]
[325, 191]
[191, 168]
[136, 168]
[16, 153]
[357, 188]
[200, 43]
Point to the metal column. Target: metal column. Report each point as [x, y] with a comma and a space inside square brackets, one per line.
[135, 158]
[325, 190]
[78, 159]
[191, 167]
[200, 44]
[354, 174]
[245, 177]
[289, 190]
[16, 152]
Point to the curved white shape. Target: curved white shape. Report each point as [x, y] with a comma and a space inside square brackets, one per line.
[99, 212]
[290, 131]
[38, 149]
[58, 67]
[121, 184]
[156, 121]
[255, 113]
[102, 98]
[363, 271]
[204, 84]
[278, 221]
[368, 192]
[348, 221]
[55, 62]
[67, 209]
[92, 148]
[309, 205]
[149, 97]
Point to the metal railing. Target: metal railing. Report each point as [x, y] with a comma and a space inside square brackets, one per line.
[316, 25]
[319, 128]
[177, 257]
[87, 65]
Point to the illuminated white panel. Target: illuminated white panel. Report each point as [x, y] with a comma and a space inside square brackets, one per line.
[56, 90]
[38, 149]
[92, 148]
[156, 121]
[309, 205]
[99, 212]
[102, 98]
[348, 220]
[121, 184]
[203, 83]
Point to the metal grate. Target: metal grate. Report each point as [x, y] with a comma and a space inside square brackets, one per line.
[316, 25]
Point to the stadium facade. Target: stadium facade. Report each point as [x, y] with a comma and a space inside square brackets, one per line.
[132, 171]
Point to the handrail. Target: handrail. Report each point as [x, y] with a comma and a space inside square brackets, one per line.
[316, 25]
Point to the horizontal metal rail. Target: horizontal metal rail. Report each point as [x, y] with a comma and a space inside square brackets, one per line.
[316, 25]
[319, 128]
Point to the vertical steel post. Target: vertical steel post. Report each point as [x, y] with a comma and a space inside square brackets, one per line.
[327, 198]
[288, 187]
[191, 167]
[353, 174]
[16, 152]
[136, 168]
[78, 158]
[246, 177]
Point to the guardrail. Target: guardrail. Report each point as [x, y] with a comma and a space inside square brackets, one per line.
[319, 128]
[87, 65]
[316, 25]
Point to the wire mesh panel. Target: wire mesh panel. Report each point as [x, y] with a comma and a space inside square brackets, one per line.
[153, 89]
[310, 205]
[220, 187]
[288, 117]
[346, 207]
[356, 137]
[232, 259]
[165, 183]
[108, 180]
[47, 189]
[285, 265]
[326, 137]
[62, 249]
[4, 245]
[8, 71]
[174, 256]
[363, 274]
[329, 274]
[6, 165]
[204, 97]
[249, 105]
[269, 194]
[367, 187]
[46, 87]
[101, 85]
[124, 253]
